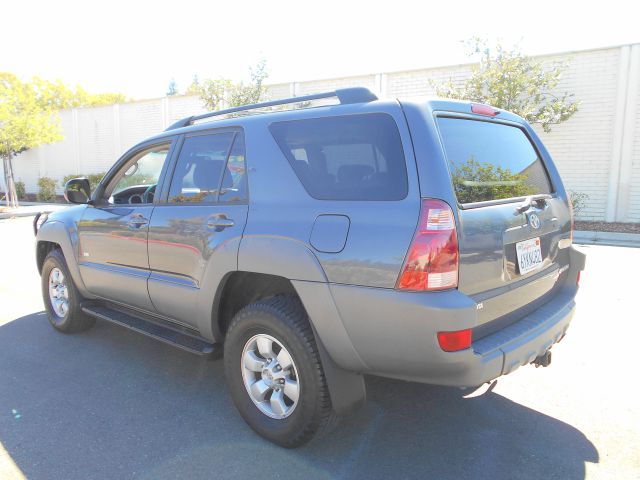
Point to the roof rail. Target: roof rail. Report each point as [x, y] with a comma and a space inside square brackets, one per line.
[344, 95]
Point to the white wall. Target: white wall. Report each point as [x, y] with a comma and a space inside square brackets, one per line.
[630, 182]
[597, 151]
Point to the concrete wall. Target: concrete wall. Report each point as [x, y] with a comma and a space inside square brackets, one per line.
[597, 150]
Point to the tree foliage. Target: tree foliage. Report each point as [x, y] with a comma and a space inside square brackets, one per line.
[94, 178]
[476, 181]
[55, 95]
[223, 93]
[28, 116]
[172, 89]
[509, 80]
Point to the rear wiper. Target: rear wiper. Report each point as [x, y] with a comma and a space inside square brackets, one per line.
[540, 201]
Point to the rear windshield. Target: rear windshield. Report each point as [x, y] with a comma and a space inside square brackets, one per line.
[350, 157]
[491, 161]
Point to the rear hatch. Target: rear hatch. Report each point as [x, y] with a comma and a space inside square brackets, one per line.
[512, 225]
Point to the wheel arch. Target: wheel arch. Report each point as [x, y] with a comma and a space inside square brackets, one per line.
[238, 289]
[56, 234]
[43, 247]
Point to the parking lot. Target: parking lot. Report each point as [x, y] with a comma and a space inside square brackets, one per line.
[110, 403]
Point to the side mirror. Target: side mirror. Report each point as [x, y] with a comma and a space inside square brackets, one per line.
[77, 190]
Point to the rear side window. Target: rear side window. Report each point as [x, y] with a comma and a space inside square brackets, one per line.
[351, 157]
[201, 164]
[491, 161]
[234, 182]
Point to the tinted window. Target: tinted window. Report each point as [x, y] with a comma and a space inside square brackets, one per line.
[200, 167]
[491, 161]
[355, 157]
[234, 183]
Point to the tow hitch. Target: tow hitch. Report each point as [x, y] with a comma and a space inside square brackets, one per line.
[543, 360]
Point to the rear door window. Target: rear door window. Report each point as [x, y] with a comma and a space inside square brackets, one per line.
[491, 161]
[351, 157]
[200, 167]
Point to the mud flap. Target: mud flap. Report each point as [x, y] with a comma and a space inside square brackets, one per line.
[346, 388]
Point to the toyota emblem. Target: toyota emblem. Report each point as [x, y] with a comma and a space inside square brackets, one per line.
[534, 221]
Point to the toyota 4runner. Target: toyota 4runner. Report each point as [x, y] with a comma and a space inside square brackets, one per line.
[426, 240]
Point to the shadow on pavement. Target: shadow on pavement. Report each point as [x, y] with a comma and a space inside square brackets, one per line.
[109, 403]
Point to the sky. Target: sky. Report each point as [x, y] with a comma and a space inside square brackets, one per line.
[137, 47]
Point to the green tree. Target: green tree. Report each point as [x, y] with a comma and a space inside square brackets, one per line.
[254, 91]
[509, 80]
[476, 181]
[58, 96]
[212, 92]
[195, 85]
[173, 88]
[221, 92]
[28, 116]
[27, 120]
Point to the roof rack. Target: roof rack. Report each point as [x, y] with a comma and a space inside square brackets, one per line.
[345, 95]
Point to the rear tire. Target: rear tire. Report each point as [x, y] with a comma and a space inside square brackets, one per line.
[61, 297]
[270, 346]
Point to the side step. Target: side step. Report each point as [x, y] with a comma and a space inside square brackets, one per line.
[165, 334]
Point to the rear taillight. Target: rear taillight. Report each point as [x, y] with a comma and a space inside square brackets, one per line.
[455, 341]
[432, 261]
[578, 278]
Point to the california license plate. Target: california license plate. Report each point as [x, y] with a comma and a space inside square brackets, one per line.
[529, 255]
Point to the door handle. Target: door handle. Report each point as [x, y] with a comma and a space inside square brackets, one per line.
[219, 223]
[539, 200]
[137, 221]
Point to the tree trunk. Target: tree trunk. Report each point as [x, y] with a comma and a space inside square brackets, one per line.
[11, 194]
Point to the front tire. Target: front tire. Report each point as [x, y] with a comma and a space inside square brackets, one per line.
[61, 297]
[274, 372]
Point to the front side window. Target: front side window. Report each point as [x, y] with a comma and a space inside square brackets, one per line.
[351, 157]
[137, 182]
[491, 161]
[201, 164]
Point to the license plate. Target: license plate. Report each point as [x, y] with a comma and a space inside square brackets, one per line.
[529, 255]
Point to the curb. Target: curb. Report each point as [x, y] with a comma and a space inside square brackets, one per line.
[24, 203]
[607, 238]
[29, 211]
[5, 216]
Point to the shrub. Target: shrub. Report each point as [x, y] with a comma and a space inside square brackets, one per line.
[46, 189]
[578, 201]
[20, 190]
[66, 178]
[94, 178]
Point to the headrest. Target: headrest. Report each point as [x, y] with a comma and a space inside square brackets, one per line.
[353, 173]
[206, 174]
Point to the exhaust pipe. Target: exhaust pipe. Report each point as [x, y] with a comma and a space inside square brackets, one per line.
[543, 360]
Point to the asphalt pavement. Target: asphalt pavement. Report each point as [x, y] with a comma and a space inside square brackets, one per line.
[109, 403]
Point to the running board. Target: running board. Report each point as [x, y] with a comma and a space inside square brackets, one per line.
[184, 341]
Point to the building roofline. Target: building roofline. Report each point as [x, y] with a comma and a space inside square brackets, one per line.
[448, 65]
[409, 70]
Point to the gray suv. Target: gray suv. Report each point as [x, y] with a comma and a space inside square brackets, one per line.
[429, 241]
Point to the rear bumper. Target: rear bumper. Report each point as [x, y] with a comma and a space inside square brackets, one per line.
[395, 333]
[520, 343]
